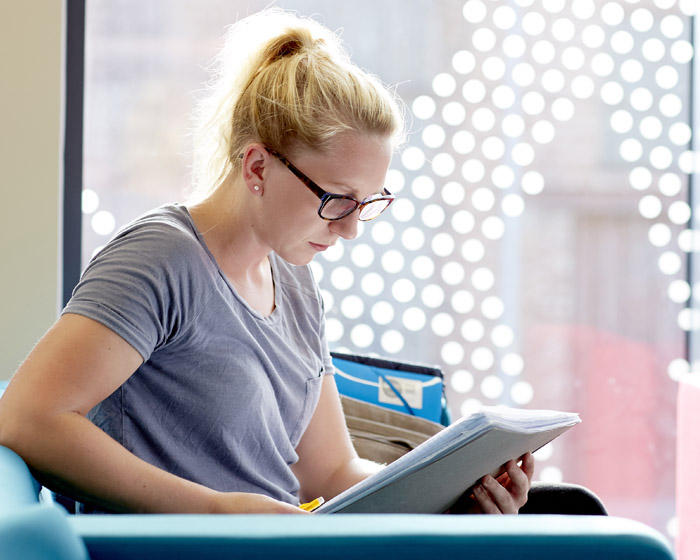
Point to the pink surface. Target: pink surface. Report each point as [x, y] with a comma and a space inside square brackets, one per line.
[688, 469]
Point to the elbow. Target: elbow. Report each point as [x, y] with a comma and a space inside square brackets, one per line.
[20, 426]
[11, 429]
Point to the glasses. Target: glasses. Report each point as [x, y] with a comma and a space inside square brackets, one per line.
[337, 206]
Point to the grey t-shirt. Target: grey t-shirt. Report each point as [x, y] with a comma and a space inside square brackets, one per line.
[224, 394]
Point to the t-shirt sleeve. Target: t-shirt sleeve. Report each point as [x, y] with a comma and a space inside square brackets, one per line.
[138, 285]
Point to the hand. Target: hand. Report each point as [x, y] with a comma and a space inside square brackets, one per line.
[505, 494]
[242, 502]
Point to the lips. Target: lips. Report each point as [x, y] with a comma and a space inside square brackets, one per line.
[319, 247]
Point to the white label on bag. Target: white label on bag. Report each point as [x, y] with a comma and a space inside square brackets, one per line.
[410, 389]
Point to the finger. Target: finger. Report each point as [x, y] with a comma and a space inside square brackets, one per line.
[528, 465]
[500, 495]
[503, 477]
[485, 501]
[519, 484]
[271, 505]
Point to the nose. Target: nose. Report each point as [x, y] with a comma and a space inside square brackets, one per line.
[345, 227]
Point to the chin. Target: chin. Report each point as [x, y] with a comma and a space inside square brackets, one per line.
[296, 259]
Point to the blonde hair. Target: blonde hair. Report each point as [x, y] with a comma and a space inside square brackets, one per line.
[287, 82]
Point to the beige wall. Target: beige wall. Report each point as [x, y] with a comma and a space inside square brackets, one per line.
[31, 112]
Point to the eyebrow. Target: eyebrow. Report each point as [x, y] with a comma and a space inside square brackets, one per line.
[351, 192]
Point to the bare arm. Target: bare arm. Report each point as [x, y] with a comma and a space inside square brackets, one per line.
[328, 462]
[77, 364]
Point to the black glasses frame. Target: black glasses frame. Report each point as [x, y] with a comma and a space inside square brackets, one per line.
[326, 197]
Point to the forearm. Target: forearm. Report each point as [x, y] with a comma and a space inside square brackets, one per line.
[347, 475]
[71, 455]
[42, 418]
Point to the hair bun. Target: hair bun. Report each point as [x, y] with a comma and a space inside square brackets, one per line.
[294, 42]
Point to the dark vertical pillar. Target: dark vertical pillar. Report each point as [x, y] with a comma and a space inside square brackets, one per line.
[73, 145]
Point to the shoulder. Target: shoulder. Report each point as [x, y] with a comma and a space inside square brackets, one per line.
[163, 239]
[149, 281]
[158, 255]
[167, 226]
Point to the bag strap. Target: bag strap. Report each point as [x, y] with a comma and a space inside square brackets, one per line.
[397, 393]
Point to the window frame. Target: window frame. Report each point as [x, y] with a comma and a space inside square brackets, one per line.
[71, 217]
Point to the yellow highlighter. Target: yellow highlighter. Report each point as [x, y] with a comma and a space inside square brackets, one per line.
[310, 506]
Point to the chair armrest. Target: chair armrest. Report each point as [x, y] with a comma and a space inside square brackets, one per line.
[336, 537]
[17, 485]
[39, 532]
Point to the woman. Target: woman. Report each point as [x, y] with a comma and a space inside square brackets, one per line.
[190, 371]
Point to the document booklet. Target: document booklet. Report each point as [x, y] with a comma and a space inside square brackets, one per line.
[431, 477]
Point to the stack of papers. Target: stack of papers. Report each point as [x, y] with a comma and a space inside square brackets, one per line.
[432, 477]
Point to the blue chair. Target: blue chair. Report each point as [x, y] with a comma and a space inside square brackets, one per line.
[32, 530]
[29, 529]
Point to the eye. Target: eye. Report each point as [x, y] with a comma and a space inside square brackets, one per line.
[337, 207]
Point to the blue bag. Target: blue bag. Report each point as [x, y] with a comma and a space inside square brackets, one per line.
[415, 389]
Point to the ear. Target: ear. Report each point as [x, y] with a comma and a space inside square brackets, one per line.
[254, 167]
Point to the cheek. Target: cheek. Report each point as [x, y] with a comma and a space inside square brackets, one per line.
[294, 207]
[293, 224]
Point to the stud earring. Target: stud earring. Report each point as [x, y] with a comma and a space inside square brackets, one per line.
[256, 187]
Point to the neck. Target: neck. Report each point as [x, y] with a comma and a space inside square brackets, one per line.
[223, 220]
